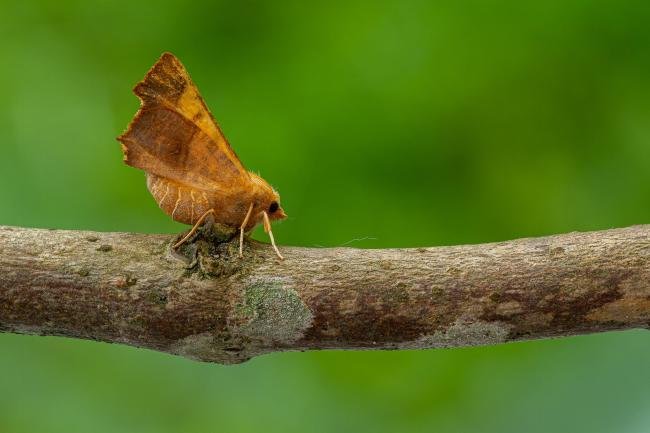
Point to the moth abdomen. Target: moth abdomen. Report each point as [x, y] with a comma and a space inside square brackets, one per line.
[181, 202]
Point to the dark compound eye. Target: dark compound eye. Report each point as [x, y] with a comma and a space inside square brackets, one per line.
[274, 206]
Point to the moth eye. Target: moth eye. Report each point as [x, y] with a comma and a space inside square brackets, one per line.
[274, 206]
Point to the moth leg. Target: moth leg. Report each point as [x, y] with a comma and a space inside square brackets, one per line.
[194, 228]
[267, 228]
[241, 230]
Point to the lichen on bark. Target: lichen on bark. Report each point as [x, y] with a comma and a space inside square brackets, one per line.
[273, 313]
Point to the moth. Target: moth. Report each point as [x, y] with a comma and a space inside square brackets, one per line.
[191, 170]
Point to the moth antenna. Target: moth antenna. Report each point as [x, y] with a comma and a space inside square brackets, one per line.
[194, 229]
[267, 228]
[241, 230]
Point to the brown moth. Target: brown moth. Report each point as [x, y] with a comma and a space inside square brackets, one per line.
[191, 169]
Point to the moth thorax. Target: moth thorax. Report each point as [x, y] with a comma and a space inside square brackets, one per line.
[265, 192]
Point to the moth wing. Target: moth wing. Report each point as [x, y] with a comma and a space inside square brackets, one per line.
[173, 134]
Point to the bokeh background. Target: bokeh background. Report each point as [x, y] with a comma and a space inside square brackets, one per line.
[382, 124]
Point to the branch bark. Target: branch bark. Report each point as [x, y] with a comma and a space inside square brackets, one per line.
[209, 305]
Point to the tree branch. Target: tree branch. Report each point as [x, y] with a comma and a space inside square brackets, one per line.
[208, 304]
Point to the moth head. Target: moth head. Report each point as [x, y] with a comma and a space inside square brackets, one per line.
[269, 199]
[273, 207]
[275, 211]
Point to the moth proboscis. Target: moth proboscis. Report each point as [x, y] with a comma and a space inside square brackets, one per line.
[191, 170]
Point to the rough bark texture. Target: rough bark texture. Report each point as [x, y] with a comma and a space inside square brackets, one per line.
[208, 304]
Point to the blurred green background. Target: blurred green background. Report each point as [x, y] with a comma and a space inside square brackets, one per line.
[382, 124]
